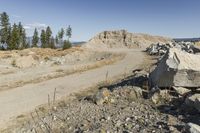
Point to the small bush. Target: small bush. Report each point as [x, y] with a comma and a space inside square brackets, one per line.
[13, 63]
[67, 45]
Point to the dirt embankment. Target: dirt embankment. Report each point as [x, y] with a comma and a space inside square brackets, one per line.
[124, 39]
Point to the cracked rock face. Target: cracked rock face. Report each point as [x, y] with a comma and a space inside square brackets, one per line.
[122, 38]
[177, 68]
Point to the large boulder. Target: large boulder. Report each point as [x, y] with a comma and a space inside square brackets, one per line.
[177, 68]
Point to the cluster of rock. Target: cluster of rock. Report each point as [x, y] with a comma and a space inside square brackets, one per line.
[121, 107]
[122, 38]
[179, 69]
[121, 110]
[161, 49]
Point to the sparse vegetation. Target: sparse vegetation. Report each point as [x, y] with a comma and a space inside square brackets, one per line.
[13, 63]
[66, 45]
[35, 39]
[14, 37]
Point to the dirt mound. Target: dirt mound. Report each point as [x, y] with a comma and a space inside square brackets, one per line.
[25, 61]
[122, 38]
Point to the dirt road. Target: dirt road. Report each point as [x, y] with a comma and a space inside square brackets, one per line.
[23, 99]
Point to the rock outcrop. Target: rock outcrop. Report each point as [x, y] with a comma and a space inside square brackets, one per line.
[177, 68]
[122, 38]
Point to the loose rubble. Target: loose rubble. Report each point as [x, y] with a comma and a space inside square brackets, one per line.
[121, 110]
[178, 71]
[161, 49]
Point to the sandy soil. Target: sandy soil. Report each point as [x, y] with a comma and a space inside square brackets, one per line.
[19, 100]
[53, 64]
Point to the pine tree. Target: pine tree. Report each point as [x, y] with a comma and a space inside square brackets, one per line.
[48, 36]
[15, 39]
[9, 37]
[24, 43]
[20, 34]
[4, 31]
[52, 43]
[20, 28]
[69, 32]
[56, 39]
[35, 38]
[43, 39]
[61, 34]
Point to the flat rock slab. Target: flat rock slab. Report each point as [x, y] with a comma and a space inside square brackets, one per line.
[177, 68]
[181, 90]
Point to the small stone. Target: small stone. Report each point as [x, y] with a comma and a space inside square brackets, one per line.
[181, 90]
[108, 118]
[102, 96]
[127, 119]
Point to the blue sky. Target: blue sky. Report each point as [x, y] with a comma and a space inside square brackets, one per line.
[172, 18]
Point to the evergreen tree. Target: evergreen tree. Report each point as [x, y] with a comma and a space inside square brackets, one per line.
[15, 39]
[23, 36]
[20, 34]
[35, 38]
[48, 36]
[20, 28]
[43, 39]
[52, 43]
[61, 34]
[9, 36]
[56, 39]
[69, 32]
[28, 44]
[4, 31]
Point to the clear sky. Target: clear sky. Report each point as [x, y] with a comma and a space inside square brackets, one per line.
[172, 18]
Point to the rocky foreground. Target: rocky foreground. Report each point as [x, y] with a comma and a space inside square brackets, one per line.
[119, 108]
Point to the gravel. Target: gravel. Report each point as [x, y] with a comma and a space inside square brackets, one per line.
[120, 112]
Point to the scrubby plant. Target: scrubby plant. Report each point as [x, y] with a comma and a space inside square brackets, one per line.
[13, 63]
[67, 45]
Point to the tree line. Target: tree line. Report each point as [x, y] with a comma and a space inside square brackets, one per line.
[13, 37]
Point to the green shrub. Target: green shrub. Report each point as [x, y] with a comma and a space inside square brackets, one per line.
[67, 45]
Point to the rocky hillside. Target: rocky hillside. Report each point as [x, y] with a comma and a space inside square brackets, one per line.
[122, 38]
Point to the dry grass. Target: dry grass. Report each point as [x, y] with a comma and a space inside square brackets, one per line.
[41, 52]
[197, 43]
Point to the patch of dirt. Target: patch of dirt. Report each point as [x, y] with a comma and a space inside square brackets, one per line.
[36, 65]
